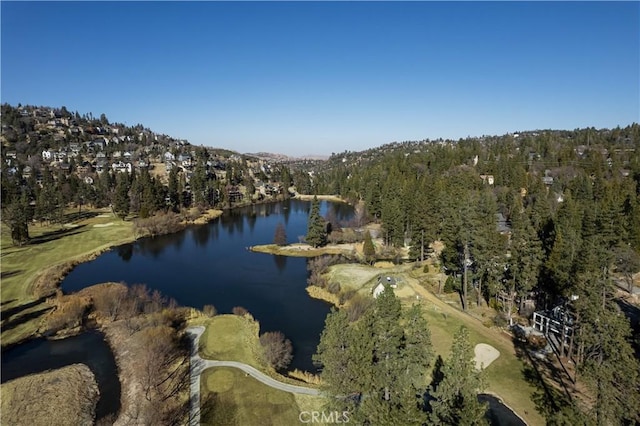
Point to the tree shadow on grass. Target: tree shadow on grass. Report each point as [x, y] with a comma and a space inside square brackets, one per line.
[5, 314]
[7, 274]
[56, 235]
[9, 325]
[72, 217]
[549, 400]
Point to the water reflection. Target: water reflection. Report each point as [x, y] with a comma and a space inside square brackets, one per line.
[201, 235]
[125, 252]
[280, 261]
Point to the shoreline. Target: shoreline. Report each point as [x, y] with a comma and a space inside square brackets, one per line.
[325, 197]
[320, 293]
[305, 250]
[47, 282]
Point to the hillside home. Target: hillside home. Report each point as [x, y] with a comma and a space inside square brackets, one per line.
[121, 167]
[487, 179]
[185, 160]
[502, 226]
[74, 147]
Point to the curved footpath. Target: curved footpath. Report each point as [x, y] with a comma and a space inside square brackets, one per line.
[198, 365]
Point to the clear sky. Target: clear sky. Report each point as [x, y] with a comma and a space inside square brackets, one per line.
[321, 77]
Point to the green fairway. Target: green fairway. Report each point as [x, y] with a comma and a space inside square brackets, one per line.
[232, 338]
[50, 246]
[230, 397]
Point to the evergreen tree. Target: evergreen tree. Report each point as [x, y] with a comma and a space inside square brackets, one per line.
[456, 396]
[280, 235]
[376, 366]
[526, 254]
[121, 197]
[199, 184]
[368, 248]
[16, 216]
[335, 354]
[316, 228]
[606, 358]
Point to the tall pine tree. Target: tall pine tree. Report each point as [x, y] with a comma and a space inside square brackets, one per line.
[456, 396]
[316, 228]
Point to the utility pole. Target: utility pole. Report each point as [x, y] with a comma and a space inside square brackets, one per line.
[464, 276]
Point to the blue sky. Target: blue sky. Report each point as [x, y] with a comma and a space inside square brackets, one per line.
[321, 77]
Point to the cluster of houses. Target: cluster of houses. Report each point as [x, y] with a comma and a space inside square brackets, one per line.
[89, 147]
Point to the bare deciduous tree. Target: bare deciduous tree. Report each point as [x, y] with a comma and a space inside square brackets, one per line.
[239, 310]
[209, 310]
[277, 349]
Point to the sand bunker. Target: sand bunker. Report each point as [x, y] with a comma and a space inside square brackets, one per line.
[102, 225]
[485, 355]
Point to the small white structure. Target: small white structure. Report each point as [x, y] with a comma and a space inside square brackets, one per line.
[377, 290]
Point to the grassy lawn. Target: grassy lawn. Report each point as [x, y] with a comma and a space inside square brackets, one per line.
[230, 397]
[232, 338]
[49, 246]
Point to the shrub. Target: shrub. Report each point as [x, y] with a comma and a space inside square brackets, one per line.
[160, 224]
[347, 295]
[277, 349]
[209, 310]
[334, 287]
[450, 284]
[425, 269]
[239, 310]
[358, 306]
[494, 304]
[69, 313]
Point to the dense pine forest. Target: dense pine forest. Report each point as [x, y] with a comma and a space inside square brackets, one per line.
[545, 221]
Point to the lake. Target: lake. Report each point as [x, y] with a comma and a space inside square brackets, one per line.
[210, 264]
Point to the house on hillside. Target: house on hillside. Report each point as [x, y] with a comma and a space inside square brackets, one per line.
[377, 290]
[502, 225]
[384, 281]
[487, 179]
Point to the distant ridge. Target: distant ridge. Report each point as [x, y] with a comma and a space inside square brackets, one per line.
[282, 157]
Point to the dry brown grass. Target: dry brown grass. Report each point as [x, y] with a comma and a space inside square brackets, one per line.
[305, 250]
[305, 376]
[66, 396]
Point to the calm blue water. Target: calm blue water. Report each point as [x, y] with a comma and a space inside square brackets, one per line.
[210, 264]
[90, 348]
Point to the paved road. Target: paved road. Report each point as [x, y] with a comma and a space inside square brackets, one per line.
[198, 365]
